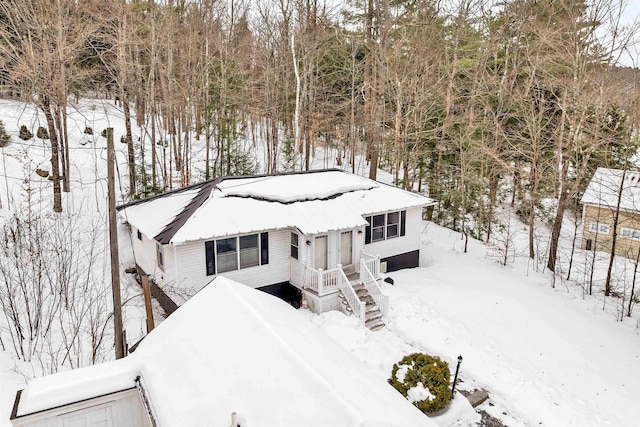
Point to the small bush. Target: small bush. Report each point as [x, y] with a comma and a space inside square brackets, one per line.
[429, 371]
[103, 133]
[4, 136]
[25, 134]
[123, 139]
[88, 130]
[42, 133]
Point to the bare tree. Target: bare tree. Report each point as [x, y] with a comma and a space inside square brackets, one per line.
[40, 43]
[52, 293]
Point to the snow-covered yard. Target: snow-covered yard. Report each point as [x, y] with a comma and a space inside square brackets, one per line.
[546, 356]
[550, 357]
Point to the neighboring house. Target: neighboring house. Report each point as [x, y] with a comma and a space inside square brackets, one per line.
[611, 191]
[321, 232]
[228, 349]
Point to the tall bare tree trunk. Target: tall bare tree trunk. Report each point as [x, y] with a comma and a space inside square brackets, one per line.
[55, 166]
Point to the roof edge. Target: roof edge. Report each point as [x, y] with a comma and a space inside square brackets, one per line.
[15, 416]
[219, 180]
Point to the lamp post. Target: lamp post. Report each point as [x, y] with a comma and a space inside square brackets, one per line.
[455, 377]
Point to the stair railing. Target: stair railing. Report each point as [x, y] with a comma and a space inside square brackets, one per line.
[372, 286]
[358, 307]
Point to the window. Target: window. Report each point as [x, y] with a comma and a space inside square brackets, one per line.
[294, 245]
[236, 253]
[377, 228]
[249, 251]
[630, 233]
[160, 256]
[597, 227]
[393, 222]
[227, 254]
[385, 226]
[139, 235]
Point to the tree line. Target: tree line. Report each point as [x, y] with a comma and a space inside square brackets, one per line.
[474, 103]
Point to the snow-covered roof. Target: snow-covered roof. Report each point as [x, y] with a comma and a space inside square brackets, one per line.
[235, 349]
[604, 187]
[313, 202]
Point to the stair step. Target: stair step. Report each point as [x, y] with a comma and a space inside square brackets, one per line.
[371, 309]
[377, 326]
[373, 317]
[370, 324]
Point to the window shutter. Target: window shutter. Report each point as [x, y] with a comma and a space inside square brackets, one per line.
[367, 231]
[211, 257]
[264, 248]
[403, 218]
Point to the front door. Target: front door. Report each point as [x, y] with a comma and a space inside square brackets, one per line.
[346, 248]
[321, 252]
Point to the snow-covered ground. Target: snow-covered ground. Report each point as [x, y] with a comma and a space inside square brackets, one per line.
[546, 356]
[86, 202]
[551, 357]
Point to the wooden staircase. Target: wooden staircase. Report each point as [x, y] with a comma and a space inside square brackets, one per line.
[373, 315]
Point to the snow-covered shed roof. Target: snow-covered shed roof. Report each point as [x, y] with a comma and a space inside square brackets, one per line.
[313, 202]
[604, 187]
[235, 349]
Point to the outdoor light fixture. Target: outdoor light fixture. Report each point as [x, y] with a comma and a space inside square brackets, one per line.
[308, 242]
[455, 378]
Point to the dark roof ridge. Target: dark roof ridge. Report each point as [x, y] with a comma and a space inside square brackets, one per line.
[167, 193]
[265, 175]
[172, 228]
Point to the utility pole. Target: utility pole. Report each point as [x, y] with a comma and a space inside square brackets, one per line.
[113, 244]
[146, 291]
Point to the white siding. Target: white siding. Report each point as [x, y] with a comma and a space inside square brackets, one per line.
[185, 265]
[145, 254]
[358, 246]
[401, 244]
[123, 409]
[191, 259]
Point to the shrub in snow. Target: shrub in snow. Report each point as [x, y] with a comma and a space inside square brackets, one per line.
[42, 133]
[103, 133]
[424, 380]
[88, 130]
[25, 134]
[4, 136]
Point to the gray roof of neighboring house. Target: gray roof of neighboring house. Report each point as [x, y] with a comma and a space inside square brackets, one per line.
[313, 202]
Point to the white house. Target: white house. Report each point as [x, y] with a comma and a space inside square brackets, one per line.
[228, 349]
[311, 230]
